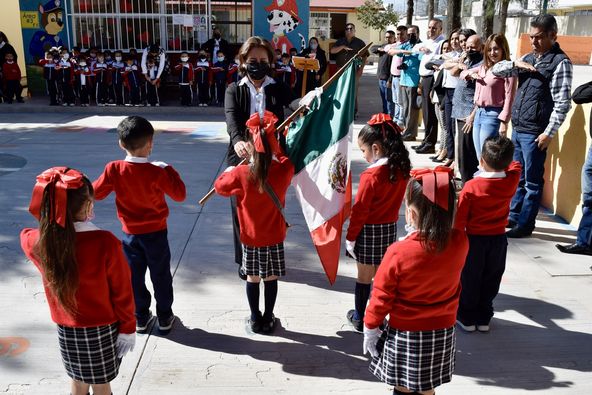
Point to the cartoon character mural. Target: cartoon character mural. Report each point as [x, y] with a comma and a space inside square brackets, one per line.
[52, 23]
[283, 22]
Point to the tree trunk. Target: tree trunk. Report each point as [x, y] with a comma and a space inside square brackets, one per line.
[453, 10]
[503, 15]
[488, 15]
[409, 20]
[430, 9]
[436, 7]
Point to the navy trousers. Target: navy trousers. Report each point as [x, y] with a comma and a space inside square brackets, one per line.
[481, 278]
[150, 251]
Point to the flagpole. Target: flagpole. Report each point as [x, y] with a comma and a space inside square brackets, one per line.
[301, 108]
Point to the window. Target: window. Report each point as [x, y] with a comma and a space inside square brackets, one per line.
[319, 25]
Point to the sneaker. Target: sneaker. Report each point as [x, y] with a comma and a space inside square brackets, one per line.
[144, 323]
[465, 327]
[483, 328]
[268, 325]
[165, 324]
[157, 105]
[357, 324]
[148, 105]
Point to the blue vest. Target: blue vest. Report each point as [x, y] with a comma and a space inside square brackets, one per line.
[533, 104]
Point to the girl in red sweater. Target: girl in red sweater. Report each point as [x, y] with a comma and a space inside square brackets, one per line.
[373, 221]
[86, 279]
[260, 189]
[418, 286]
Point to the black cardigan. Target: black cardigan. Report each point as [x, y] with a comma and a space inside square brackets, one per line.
[237, 107]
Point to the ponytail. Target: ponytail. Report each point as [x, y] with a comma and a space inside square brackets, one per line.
[261, 163]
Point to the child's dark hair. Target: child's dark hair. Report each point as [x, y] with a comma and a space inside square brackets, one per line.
[261, 163]
[134, 132]
[432, 221]
[392, 145]
[56, 246]
[498, 152]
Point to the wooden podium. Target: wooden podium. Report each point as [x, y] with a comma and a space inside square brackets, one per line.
[305, 65]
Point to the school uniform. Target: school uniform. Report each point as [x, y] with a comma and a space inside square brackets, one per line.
[419, 291]
[232, 73]
[373, 221]
[50, 76]
[65, 70]
[203, 79]
[152, 98]
[117, 71]
[105, 304]
[11, 73]
[82, 83]
[101, 71]
[219, 76]
[286, 74]
[131, 81]
[186, 76]
[140, 188]
[483, 209]
[262, 225]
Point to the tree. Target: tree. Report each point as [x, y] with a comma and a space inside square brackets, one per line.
[431, 9]
[375, 15]
[503, 15]
[453, 11]
[488, 15]
[409, 16]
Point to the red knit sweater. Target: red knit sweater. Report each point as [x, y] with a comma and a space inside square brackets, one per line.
[11, 72]
[140, 190]
[377, 201]
[261, 223]
[104, 294]
[417, 289]
[484, 203]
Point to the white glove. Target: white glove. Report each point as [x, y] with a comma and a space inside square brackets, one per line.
[125, 343]
[229, 169]
[308, 99]
[159, 164]
[349, 246]
[371, 337]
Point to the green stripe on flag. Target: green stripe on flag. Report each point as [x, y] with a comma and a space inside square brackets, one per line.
[324, 125]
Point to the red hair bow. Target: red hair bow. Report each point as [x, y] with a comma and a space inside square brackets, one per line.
[382, 119]
[266, 125]
[57, 181]
[436, 184]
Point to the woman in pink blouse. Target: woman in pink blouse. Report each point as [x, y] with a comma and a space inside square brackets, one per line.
[493, 95]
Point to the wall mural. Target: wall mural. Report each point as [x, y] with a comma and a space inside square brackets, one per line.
[283, 22]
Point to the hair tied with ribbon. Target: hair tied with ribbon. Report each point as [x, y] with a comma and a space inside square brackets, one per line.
[56, 181]
[383, 119]
[435, 183]
[263, 126]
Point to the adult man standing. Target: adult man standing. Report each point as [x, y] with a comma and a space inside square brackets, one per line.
[383, 72]
[215, 44]
[542, 101]
[429, 48]
[346, 48]
[396, 63]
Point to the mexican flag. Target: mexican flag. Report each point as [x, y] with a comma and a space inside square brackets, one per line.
[319, 146]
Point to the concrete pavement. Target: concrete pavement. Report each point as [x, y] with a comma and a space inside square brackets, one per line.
[540, 342]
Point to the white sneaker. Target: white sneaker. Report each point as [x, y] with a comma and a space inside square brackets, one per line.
[466, 328]
[157, 105]
[483, 328]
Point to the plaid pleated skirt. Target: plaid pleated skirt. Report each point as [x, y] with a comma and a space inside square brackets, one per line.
[418, 361]
[264, 261]
[373, 241]
[90, 354]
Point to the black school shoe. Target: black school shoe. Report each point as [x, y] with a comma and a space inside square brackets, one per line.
[518, 233]
[357, 324]
[256, 324]
[143, 323]
[166, 324]
[574, 249]
[268, 325]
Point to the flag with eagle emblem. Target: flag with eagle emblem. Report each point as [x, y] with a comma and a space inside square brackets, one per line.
[319, 146]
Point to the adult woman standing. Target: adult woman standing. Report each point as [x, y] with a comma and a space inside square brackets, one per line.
[255, 92]
[493, 95]
[314, 78]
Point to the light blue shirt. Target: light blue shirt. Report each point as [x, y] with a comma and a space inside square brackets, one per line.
[410, 75]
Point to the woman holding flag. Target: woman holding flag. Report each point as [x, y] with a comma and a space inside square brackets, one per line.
[255, 92]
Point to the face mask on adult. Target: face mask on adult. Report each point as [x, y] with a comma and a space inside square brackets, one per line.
[217, 36]
[474, 56]
[314, 45]
[257, 70]
[412, 38]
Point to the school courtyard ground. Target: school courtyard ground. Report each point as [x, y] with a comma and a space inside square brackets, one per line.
[540, 340]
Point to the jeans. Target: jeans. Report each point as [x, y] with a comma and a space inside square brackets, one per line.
[485, 125]
[585, 227]
[385, 96]
[467, 160]
[428, 111]
[449, 123]
[527, 200]
[396, 107]
[150, 251]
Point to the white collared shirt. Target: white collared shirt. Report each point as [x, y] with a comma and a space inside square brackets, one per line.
[379, 162]
[85, 226]
[135, 159]
[434, 47]
[489, 174]
[257, 97]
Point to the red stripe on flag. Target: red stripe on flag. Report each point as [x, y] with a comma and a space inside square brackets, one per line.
[327, 237]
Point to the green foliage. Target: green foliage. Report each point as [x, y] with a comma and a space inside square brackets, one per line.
[376, 15]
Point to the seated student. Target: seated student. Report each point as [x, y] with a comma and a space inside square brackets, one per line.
[186, 77]
[202, 76]
[219, 72]
[483, 208]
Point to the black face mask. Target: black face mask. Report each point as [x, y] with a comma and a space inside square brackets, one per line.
[413, 39]
[257, 71]
[474, 56]
[217, 36]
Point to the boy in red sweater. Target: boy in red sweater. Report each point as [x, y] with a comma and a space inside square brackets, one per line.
[140, 188]
[483, 208]
[12, 79]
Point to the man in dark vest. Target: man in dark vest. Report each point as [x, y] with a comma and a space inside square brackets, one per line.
[542, 102]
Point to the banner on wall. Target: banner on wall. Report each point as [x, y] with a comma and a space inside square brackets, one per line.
[283, 22]
[44, 26]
